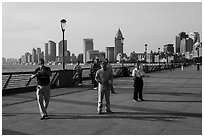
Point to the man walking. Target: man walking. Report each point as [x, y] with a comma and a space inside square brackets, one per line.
[43, 87]
[104, 79]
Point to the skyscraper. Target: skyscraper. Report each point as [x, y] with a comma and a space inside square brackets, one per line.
[118, 43]
[189, 44]
[110, 54]
[46, 52]
[51, 50]
[61, 47]
[178, 43]
[88, 45]
[34, 56]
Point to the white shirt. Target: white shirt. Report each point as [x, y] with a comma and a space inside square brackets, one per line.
[135, 72]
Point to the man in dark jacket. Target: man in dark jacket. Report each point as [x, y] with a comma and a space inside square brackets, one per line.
[43, 87]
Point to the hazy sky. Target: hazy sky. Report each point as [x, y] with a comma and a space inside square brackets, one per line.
[30, 25]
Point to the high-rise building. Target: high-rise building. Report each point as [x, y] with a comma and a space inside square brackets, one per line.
[178, 43]
[189, 44]
[39, 54]
[34, 56]
[51, 50]
[110, 54]
[88, 45]
[183, 46]
[118, 43]
[60, 48]
[46, 52]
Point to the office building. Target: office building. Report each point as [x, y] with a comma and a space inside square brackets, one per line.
[189, 44]
[51, 51]
[110, 54]
[88, 45]
[60, 47]
[46, 52]
[34, 56]
[178, 43]
[118, 44]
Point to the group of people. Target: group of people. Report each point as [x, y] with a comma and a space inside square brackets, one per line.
[102, 74]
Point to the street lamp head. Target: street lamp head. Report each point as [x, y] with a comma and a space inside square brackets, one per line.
[63, 24]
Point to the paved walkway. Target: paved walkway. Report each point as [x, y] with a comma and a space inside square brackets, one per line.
[173, 106]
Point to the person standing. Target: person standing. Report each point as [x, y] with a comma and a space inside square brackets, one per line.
[43, 74]
[78, 69]
[104, 78]
[109, 68]
[138, 84]
[96, 67]
[91, 72]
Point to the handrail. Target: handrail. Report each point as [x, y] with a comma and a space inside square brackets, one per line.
[12, 80]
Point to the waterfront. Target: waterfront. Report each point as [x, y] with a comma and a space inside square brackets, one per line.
[28, 68]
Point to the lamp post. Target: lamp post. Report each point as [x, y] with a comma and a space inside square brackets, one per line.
[63, 24]
[198, 65]
[159, 57]
[145, 53]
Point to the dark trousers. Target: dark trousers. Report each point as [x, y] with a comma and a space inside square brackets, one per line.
[138, 84]
[80, 78]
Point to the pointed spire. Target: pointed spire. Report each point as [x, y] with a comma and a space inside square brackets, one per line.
[119, 34]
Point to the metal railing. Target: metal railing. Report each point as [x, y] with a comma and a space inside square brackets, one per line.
[20, 80]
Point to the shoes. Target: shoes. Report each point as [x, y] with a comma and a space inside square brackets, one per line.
[80, 84]
[142, 99]
[109, 111]
[95, 88]
[99, 112]
[135, 100]
[43, 117]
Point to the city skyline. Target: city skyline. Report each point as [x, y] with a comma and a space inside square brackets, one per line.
[31, 25]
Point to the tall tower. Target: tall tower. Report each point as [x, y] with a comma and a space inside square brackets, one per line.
[60, 48]
[34, 56]
[88, 45]
[51, 50]
[178, 43]
[46, 52]
[118, 43]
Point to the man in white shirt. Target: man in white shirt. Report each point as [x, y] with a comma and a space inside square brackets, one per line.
[138, 84]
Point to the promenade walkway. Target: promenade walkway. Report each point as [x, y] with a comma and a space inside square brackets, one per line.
[173, 106]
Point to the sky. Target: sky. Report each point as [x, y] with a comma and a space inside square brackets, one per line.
[32, 24]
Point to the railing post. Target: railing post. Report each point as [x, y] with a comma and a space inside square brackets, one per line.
[7, 81]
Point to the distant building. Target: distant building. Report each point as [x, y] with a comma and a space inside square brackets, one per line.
[80, 58]
[110, 54]
[88, 45]
[39, 54]
[34, 56]
[118, 43]
[60, 48]
[73, 58]
[169, 48]
[178, 43]
[51, 51]
[183, 46]
[91, 54]
[189, 44]
[68, 57]
[46, 52]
